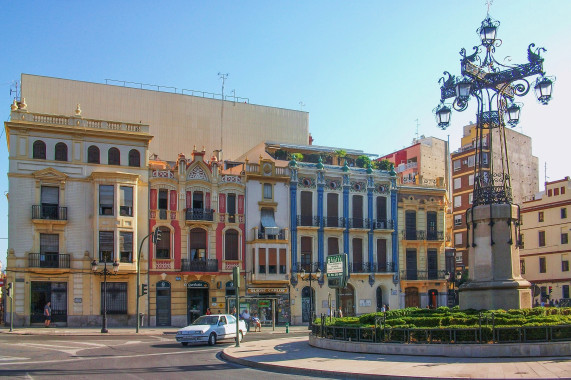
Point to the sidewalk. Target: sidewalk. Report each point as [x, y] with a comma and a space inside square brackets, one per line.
[127, 331]
[294, 355]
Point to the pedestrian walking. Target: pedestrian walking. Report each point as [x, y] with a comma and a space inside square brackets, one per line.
[47, 314]
[340, 313]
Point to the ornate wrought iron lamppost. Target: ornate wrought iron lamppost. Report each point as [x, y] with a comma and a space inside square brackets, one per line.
[104, 273]
[310, 276]
[495, 86]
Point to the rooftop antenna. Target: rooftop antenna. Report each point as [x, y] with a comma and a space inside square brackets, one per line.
[223, 77]
[545, 172]
[15, 89]
[301, 105]
[417, 125]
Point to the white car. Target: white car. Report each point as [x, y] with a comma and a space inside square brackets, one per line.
[211, 328]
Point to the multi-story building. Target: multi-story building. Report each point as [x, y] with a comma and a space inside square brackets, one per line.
[422, 162]
[422, 262]
[337, 209]
[78, 198]
[545, 249]
[523, 173]
[199, 209]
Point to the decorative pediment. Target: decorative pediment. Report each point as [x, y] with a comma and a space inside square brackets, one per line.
[50, 174]
[198, 173]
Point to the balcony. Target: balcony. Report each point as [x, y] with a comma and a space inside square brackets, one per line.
[209, 265]
[402, 167]
[264, 236]
[423, 235]
[48, 260]
[380, 224]
[434, 235]
[357, 223]
[43, 212]
[308, 221]
[199, 214]
[333, 221]
[423, 275]
[308, 267]
[371, 267]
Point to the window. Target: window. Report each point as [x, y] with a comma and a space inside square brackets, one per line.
[93, 155]
[522, 266]
[382, 255]
[470, 198]
[198, 244]
[113, 157]
[273, 261]
[564, 238]
[542, 265]
[562, 190]
[231, 245]
[332, 246]
[521, 241]
[457, 201]
[198, 200]
[565, 291]
[283, 260]
[457, 183]
[471, 180]
[458, 220]
[164, 245]
[564, 265]
[126, 201]
[61, 152]
[458, 238]
[357, 255]
[540, 216]
[563, 213]
[556, 191]
[49, 244]
[262, 260]
[163, 199]
[471, 161]
[268, 193]
[306, 253]
[50, 202]
[485, 158]
[231, 208]
[543, 293]
[457, 165]
[134, 158]
[126, 247]
[116, 300]
[106, 197]
[542, 238]
[39, 150]
[549, 192]
[106, 246]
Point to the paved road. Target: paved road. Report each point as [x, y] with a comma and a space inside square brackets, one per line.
[108, 357]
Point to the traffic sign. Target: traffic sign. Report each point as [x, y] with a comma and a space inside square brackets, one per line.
[336, 270]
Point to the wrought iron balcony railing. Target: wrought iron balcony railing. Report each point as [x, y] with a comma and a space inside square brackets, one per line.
[199, 214]
[209, 265]
[49, 212]
[48, 260]
[380, 224]
[422, 235]
[308, 221]
[334, 221]
[434, 235]
[423, 275]
[357, 223]
[308, 267]
[280, 236]
[371, 267]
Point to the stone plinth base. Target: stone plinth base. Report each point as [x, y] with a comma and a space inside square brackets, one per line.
[493, 295]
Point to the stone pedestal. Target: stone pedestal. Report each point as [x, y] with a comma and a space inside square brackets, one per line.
[495, 280]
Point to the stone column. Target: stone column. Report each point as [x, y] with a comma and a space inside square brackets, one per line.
[495, 280]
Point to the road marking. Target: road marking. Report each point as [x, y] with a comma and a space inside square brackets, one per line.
[5, 358]
[73, 347]
[75, 360]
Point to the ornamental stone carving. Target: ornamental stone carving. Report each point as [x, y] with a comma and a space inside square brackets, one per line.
[197, 173]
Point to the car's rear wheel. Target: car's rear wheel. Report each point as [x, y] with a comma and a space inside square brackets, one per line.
[184, 343]
[212, 339]
[240, 336]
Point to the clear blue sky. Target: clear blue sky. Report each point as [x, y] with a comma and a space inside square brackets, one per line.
[365, 70]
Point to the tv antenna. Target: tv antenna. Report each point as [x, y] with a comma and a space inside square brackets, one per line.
[15, 89]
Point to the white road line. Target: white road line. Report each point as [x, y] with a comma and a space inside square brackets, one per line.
[108, 358]
[6, 358]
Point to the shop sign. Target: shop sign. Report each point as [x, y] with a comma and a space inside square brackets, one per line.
[197, 285]
[264, 303]
[266, 290]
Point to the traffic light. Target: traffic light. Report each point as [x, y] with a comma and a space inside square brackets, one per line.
[144, 288]
[157, 235]
[550, 290]
[9, 290]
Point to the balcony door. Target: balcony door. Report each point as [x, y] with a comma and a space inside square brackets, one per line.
[306, 254]
[332, 210]
[432, 264]
[357, 211]
[411, 269]
[410, 225]
[431, 225]
[382, 255]
[49, 250]
[381, 209]
[306, 208]
[50, 202]
[357, 255]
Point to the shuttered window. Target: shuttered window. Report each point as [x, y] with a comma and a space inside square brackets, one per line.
[49, 243]
[61, 152]
[164, 245]
[332, 246]
[262, 260]
[283, 259]
[273, 261]
[126, 247]
[106, 246]
[113, 157]
[39, 150]
[126, 201]
[134, 158]
[231, 245]
[106, 197]
[93, 156]
[50, 196]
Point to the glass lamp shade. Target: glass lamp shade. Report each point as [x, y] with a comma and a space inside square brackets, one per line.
[463, 89]
[443, 115]
[488, 31]
[513, 112]
[115, 267]
[94, 265]
[543, 89]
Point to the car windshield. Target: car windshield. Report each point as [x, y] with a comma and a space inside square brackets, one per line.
[206, 320]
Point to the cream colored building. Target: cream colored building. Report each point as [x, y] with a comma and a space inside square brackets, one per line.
[78, 192]
[177, 121]
[545, 248]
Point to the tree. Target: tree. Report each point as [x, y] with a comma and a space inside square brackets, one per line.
[341, 154]
[363, 161]
[384, 164]
[297, 156]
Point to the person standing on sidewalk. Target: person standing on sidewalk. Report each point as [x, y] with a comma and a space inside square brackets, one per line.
[47, 314]
[246, 317]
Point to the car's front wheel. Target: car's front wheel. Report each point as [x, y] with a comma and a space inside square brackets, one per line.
[240, 336]
[212, 339]
[185, 344]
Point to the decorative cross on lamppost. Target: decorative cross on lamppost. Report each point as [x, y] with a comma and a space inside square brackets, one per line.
[495, 86]
[104, 273]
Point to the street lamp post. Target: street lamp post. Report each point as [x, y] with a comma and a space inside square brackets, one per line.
[104, 273]
[309, 276]
[495, 86]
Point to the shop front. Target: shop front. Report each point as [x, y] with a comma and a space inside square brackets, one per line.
[271, 304]
[197, 299]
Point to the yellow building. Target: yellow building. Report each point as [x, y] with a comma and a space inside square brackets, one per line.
[422, 262]
[545, 250]
[77, 194]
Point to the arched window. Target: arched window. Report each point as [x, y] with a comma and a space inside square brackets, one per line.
[93, 155]
[164, 245]
[61, 152]
[113, 157]
[39, 150]
[134, 158]
[231, 244]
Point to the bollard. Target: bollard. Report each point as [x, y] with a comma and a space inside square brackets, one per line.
[287, 328]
